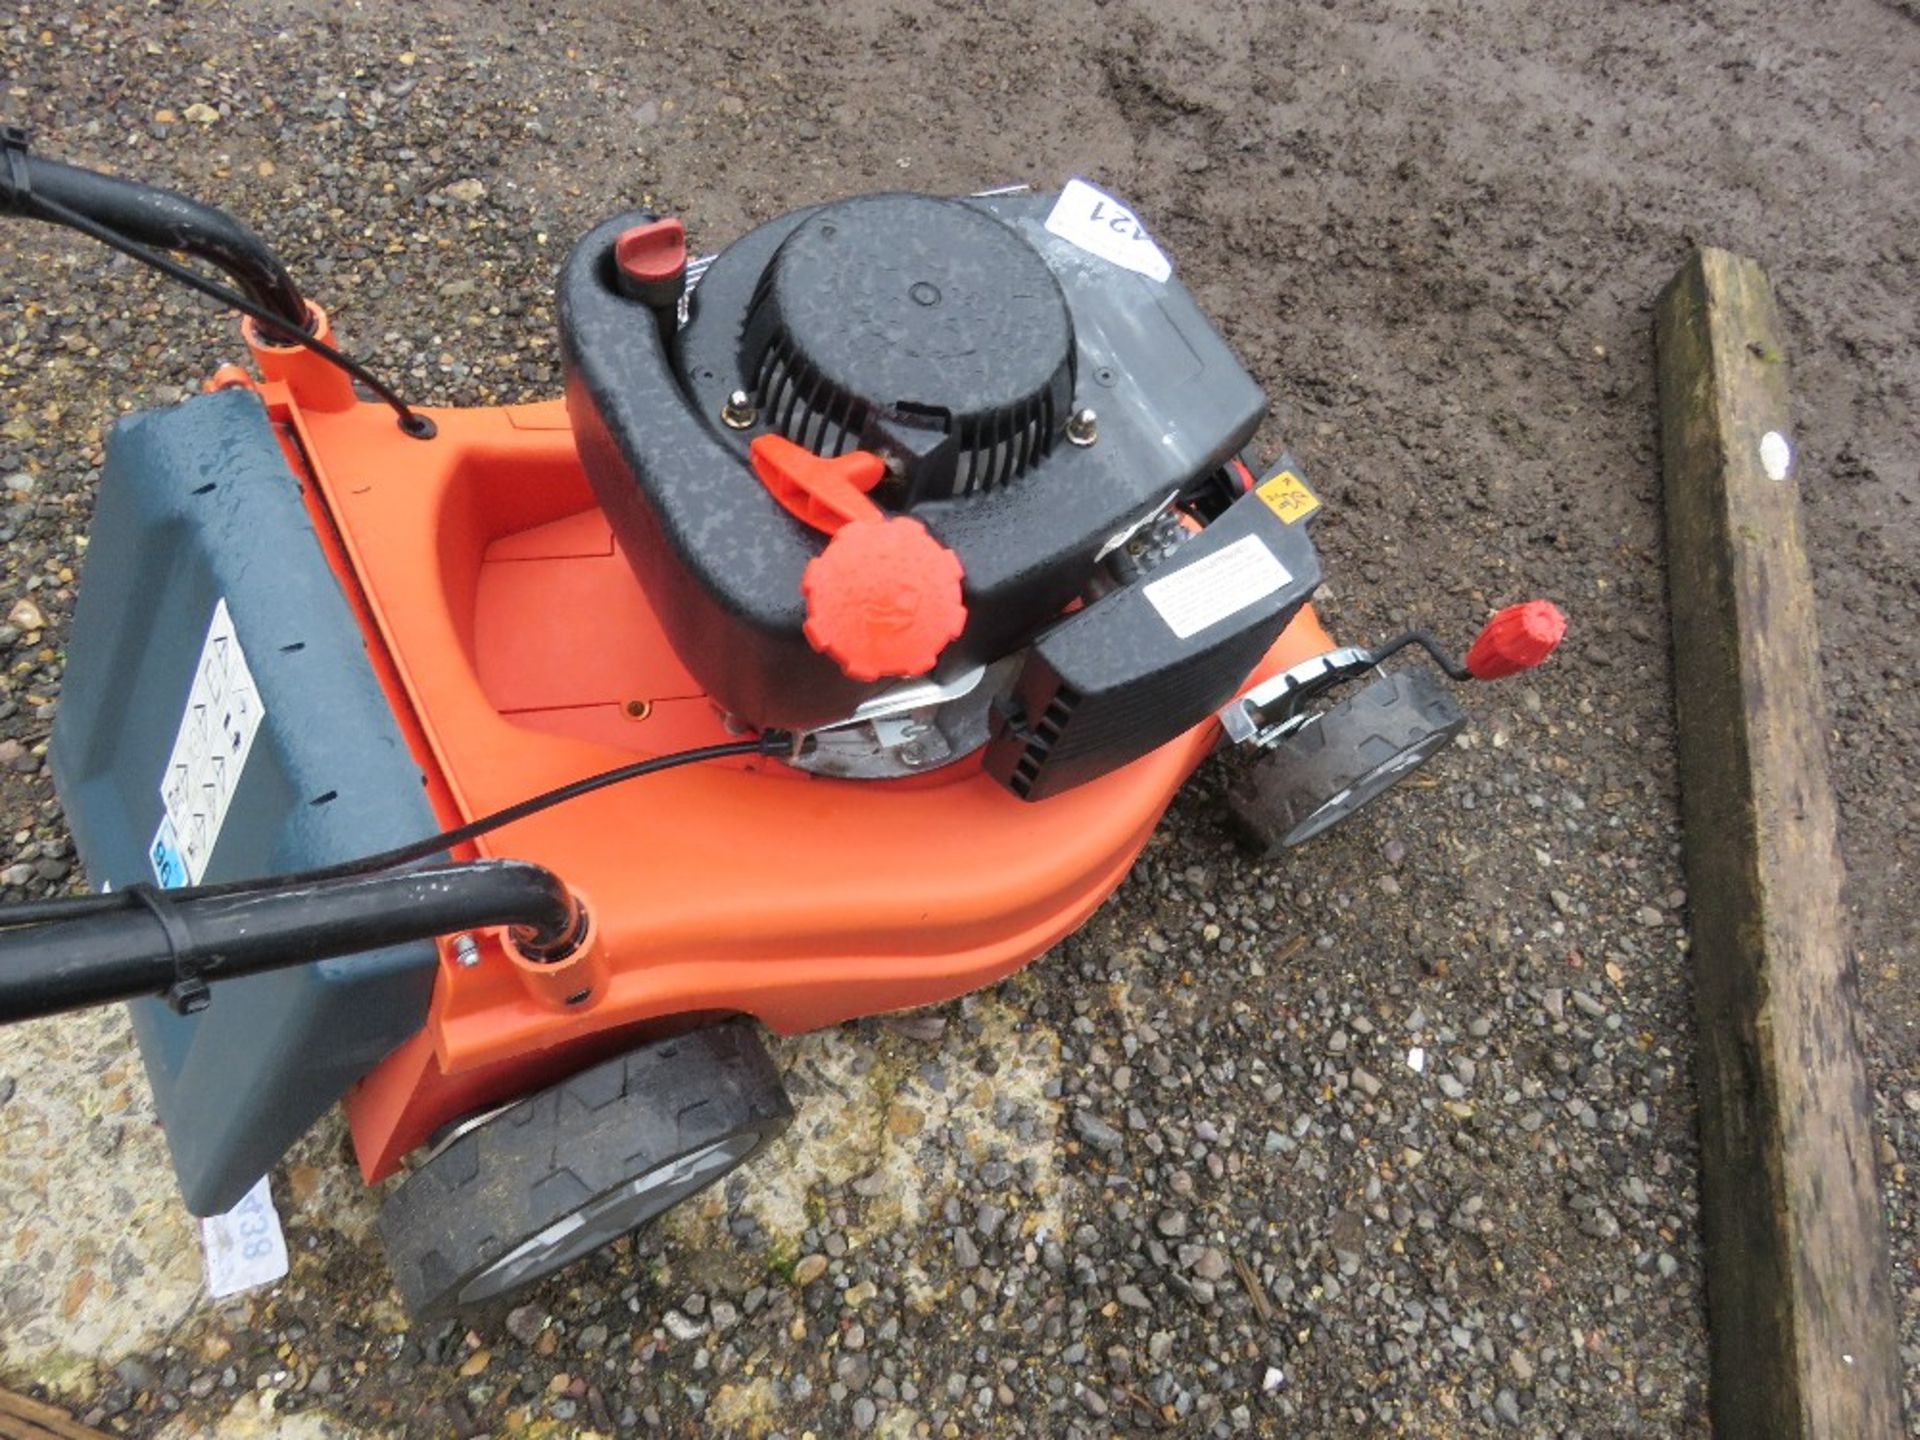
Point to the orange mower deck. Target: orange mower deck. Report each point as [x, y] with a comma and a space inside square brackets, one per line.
[519, 655]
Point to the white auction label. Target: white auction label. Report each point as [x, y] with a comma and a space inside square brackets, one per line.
[210, 750]
[1205, 592]
[1101, 225]
[244, 1246]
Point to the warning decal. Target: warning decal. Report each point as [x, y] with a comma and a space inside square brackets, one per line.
[1287, 495]
[1224, 583]
[210, 750]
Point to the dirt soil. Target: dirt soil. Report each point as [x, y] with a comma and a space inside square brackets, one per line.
[1216, 1196]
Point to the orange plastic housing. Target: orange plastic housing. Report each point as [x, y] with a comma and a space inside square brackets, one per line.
[519, 654]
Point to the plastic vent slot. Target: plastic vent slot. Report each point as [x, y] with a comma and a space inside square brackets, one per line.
[1045, 734]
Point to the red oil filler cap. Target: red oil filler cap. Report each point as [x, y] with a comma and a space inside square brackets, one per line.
[883, 598]
[1515, 639]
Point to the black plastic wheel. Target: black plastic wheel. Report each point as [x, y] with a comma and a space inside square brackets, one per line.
[1341, 759]
[553, 1177]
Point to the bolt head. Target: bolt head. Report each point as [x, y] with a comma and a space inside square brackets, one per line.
[1083, 426]
[738, 413]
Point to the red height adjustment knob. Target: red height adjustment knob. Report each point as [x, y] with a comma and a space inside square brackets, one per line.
[1515, 639]
[883, 598]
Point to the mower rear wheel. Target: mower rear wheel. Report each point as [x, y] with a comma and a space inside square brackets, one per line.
[552, 1178]
[1343, 758]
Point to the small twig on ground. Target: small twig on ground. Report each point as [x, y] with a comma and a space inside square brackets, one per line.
[1250, 1283]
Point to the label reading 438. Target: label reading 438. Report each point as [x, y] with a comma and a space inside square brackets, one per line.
[244, 1247]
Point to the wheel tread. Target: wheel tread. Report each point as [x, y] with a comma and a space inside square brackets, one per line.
[518, 1171]
[1335, 750]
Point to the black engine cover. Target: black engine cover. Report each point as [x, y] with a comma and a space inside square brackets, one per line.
[953, 337]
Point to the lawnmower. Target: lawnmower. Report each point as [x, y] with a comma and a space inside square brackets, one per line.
[911, 546]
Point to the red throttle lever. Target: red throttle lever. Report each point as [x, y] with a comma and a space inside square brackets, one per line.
[883, 598]
[1515, 639]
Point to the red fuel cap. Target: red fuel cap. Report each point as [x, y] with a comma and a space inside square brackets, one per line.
[1515, 639]
[883, 599]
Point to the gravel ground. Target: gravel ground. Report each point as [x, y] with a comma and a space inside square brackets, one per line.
[1392, 1137]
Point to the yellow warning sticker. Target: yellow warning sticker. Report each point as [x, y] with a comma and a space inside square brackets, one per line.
[1286, 494]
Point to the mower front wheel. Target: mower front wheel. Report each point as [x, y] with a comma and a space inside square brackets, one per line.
[551, 1178]
[1342, 759]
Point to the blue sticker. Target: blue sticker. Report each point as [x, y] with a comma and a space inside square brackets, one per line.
[169, 865]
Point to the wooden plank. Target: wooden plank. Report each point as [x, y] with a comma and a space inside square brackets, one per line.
[25, 1419]
[1798, 1291]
